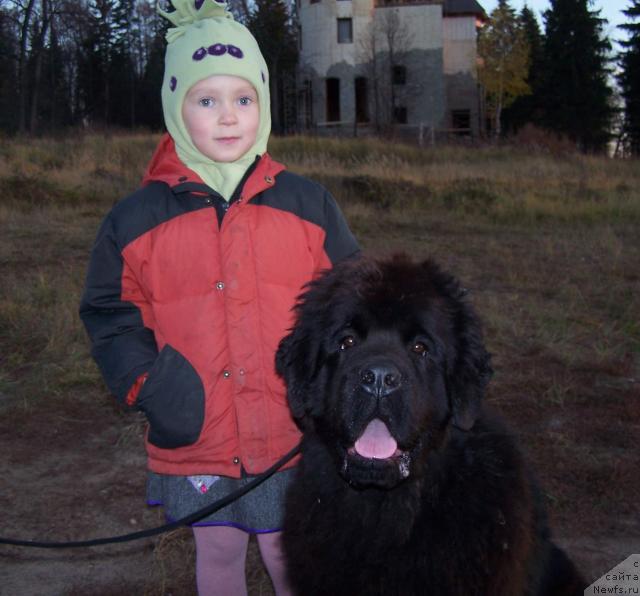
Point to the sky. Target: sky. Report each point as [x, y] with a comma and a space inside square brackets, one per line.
[610, 10]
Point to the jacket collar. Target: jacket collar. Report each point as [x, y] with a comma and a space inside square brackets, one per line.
[165, 166]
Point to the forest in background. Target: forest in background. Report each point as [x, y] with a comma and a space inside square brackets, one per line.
[98, 64]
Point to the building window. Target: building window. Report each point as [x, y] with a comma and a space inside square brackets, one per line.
[333, 100]
[314, 1]
[362, 100]
[400, 115]
[461, 121]
[345, 31]
[399, 74]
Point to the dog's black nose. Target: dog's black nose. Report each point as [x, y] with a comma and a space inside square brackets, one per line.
[381, 379]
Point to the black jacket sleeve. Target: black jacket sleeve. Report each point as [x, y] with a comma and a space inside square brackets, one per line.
[339, 242]
[122, 346]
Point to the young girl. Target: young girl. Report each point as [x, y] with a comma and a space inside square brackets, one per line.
[190, 288]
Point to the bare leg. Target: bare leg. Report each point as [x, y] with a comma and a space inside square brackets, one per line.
[271, 552]
[220, 560]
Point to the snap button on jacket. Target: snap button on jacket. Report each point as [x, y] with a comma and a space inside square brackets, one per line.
[196, 294]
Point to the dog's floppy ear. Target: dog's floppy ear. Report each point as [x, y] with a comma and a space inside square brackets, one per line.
[471, 371]
[296, 361]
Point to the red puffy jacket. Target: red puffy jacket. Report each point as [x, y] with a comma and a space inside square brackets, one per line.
[196, 293]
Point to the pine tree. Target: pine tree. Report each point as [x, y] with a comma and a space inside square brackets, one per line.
[94, 63]
[55, 104]
[8, 72]
[574, 89]
[122, 71]
[629, 77]
[526, 108]
[504, 51]
[153, 72]
[106, 65]
[272, 27]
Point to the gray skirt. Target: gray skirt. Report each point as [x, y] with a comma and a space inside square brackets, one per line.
[259, 511]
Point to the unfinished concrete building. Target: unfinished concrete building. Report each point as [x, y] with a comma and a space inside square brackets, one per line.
[367, 65]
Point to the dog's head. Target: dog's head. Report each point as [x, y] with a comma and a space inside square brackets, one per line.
[383, 357]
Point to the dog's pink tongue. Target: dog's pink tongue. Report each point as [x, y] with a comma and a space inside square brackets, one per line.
[376, 441]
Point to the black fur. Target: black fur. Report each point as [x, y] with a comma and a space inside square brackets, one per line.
[454, 510]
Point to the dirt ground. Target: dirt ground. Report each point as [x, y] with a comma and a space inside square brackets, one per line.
[78, 473]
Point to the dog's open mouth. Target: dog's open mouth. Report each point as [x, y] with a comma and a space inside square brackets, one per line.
[377, 445]
[376, 442]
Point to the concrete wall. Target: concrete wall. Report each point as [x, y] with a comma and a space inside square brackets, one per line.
[423, 94]
[459, 52]
[318, 21]
[423, 24]
[438, 52]
[459, 44]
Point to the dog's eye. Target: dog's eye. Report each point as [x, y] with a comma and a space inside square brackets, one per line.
[347, 342]
[419, 348]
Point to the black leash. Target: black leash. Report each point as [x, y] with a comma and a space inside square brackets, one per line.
[185, 521]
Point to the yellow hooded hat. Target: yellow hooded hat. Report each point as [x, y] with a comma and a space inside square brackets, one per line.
[206, 41]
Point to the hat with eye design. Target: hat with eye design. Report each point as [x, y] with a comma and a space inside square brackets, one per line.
[205, 40]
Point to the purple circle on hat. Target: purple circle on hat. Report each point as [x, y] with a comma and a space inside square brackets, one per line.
[198, 4]
[264, 79]
[199, 54]
[173, 83]
[221, 1]
[234, 51]
[217, 49]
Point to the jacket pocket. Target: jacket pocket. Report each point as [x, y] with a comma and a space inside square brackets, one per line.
[172, 399]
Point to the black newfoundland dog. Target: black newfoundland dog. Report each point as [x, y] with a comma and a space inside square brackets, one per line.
[406, 486]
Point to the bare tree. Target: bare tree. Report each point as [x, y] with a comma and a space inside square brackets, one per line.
[384, 47]
[396, 36]
[368, 55]
[71, 27]
[37, 51]
[27, 12]
[42, 25]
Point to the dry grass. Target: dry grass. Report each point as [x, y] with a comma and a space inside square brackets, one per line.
[509, 185]
[548, 244]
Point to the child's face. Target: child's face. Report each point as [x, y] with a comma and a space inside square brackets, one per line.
[222, 115]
